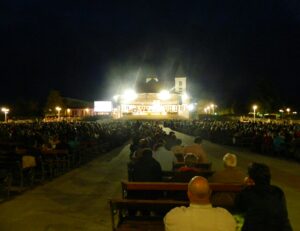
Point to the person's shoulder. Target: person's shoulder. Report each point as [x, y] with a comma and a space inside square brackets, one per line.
[222, 210]
[177, 211]
[276, 189]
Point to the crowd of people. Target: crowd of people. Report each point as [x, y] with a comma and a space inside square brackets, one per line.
[53, 148]
[262, 204]
[154, 151]
[273, 139]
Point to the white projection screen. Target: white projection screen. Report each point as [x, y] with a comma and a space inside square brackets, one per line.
[102, 106]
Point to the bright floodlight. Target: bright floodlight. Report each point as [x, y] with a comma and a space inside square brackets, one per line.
[185, 96]
[5, 111]
[116, 97]
[164, 95]
[254, 109]
[191, 107]
[58, 109]
[129, 95]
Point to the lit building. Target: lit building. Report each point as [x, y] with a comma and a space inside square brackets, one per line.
[154, 99]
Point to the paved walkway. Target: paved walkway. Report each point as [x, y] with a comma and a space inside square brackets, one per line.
[78, 200]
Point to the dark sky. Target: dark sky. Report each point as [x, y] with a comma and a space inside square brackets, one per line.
[91, 49]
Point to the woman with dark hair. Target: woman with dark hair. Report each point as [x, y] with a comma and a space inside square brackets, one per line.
[263, 204]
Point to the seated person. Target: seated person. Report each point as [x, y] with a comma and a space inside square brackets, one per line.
[146, 168]
[200, 215]
[188, 171]
[263, 204]
[190, 163]
[197, 150]
[177, 149]
[230, 174]
[164, 156]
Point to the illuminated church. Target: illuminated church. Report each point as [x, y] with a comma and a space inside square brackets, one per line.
[153, 98]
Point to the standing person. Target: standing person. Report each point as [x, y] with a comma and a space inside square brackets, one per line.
[197, 150]
[264, 204]
[200, 215]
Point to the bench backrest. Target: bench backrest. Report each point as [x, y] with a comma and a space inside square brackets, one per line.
[222, 194]
[170, 186]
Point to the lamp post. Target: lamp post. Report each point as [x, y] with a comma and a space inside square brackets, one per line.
[58, 109]
[5, 111]
[212, 108]
[254, 109]
[69, 112]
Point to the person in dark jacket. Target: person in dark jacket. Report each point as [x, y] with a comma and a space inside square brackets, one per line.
[263, 204]
[146, 168]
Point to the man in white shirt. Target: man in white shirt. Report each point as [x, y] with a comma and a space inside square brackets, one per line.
[200, 215]
[165, 157]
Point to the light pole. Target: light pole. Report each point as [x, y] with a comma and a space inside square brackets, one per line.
[58, 109]
[254, 109]
[5, 111]
[68, 112]
[212, 108]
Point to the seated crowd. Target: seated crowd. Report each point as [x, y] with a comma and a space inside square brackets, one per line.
[274, 139]
[155, 154]
[262, 205]
[44, 150]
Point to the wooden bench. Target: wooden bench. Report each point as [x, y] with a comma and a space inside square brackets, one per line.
[167, 188]
[152, 211]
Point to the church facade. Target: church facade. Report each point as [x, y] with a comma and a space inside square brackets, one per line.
[155, 99]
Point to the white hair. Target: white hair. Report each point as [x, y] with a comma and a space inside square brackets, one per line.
[230, 160]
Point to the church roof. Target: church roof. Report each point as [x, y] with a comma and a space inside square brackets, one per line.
[150, 85]
[180, 72]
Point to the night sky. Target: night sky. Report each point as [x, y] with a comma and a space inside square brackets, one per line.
[231, 51]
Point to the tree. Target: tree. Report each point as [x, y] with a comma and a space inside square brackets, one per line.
[54, 100]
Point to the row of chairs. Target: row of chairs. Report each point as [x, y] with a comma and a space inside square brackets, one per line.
[22, 168]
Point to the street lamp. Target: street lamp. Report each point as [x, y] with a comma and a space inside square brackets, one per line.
[87, 111]
[213, 106]
[58, 109]
[5, 111]
[68, 112]
[288, 110]
[254, 109]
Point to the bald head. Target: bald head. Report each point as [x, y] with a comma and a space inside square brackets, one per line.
[198, 190]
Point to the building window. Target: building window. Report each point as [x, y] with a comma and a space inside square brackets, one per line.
[180, 83]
